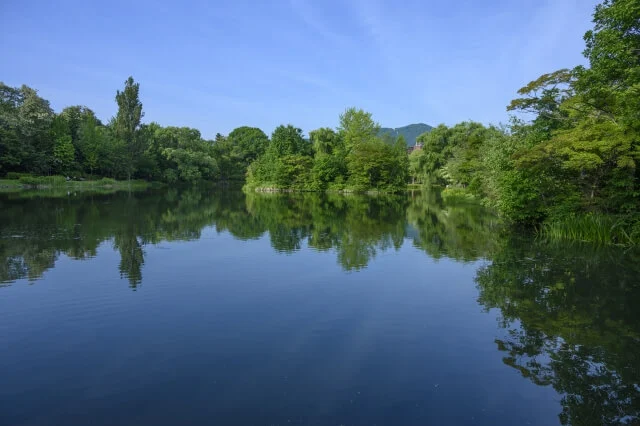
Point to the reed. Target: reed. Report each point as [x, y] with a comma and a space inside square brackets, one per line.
[593, 228]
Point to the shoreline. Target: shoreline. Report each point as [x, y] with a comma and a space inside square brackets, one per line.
[14, 185]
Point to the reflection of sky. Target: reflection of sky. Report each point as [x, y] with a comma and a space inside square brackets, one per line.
[227, 330]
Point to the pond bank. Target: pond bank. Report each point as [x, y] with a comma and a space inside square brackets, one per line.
[47, 183]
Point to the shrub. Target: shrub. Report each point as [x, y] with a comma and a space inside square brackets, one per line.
[57, 180]
[107, 181]
[42, 180]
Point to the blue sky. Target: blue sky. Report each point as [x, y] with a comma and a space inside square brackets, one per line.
[219, 65]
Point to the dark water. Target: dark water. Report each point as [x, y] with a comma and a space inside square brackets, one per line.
[196, 307]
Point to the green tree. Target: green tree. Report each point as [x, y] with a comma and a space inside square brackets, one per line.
[181, 154]
[127, 122]
[26, 143]
[325, 141]
[229, 163]
[236, 152]
[582, 149]
[416, 167]
[248, 143]
[433, 155]
[63, 154]
[91, 142]
[357, 127]
[75, 116]
[401, 159]
[374, 165]
[287, 140]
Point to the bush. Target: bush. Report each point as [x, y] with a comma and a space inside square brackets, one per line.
[42, 180]
[57, 180]
[107, 181]
[31, 180]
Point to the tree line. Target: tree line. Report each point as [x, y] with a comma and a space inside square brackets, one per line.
[36, 140]
[354, 157]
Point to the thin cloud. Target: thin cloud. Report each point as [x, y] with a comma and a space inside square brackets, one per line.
[313, 20]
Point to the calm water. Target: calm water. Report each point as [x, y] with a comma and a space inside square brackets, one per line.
[196, 307]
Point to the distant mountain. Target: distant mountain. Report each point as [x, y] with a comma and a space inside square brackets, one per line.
[410, 132]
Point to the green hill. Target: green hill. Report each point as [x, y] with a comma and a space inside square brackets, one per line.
[410, 132]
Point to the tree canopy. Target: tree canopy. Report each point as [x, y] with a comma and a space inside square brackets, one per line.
[350, 158]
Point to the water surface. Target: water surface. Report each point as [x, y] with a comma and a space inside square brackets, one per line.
[215, 307]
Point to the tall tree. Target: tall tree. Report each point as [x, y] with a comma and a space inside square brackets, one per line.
[357, 127]
[90, 141]
[127, 121]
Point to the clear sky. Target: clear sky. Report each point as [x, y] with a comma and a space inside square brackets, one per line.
[218, 65]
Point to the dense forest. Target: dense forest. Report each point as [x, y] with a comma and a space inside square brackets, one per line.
[567, 159]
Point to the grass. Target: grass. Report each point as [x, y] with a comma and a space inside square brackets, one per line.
[28, 182]
[594, 228]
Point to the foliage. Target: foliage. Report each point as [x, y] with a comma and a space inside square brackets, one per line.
[25, 125]
[326, 141]
[452, 156]
[107, 181]
[63, 154]
[180, 154]
[37, 141]
[248, 144]
[236, 152]
[127, 122]
[584, 151]
[376, 165]
[357, 128]
[353, 158]
[91, 142]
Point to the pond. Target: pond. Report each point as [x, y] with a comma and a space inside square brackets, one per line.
[196, 306]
